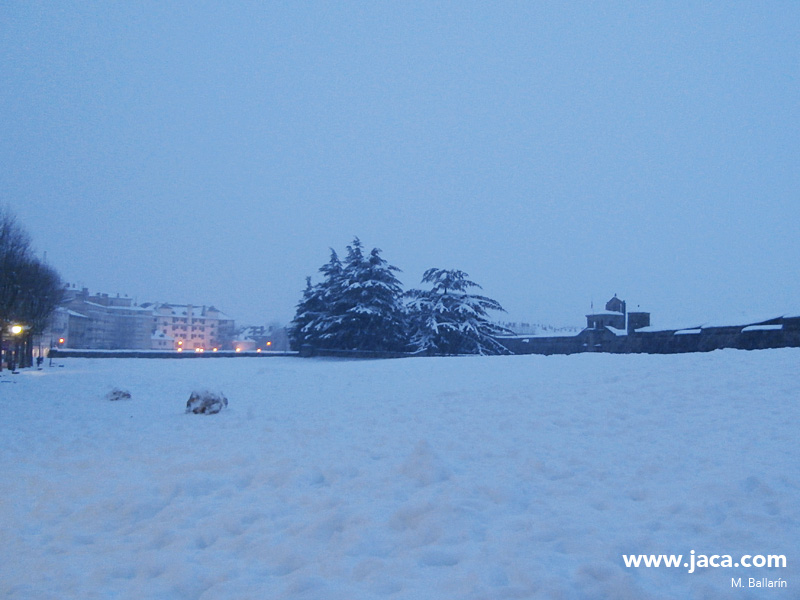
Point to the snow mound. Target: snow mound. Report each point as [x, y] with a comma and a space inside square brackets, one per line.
[206, 402]
[424, 467]
[118, 394]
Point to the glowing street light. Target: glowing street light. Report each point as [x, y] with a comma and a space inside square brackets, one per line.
[16, 330]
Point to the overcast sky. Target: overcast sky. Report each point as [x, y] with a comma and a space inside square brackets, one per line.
[558, 152]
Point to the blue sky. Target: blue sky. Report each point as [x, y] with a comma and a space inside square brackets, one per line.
[558, 152]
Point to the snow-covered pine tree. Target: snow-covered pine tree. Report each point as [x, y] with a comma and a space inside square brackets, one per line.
[316, 315]
[371, 300]
[331, 289]
[375, 315]
[357, 306]
[447, 319]
[309, 309]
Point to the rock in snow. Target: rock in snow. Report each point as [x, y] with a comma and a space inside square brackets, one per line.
[118, 394]
[205, 402]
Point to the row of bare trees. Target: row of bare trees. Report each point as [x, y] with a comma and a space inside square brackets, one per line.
[30, 291]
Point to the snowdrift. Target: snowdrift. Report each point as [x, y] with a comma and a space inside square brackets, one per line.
[496, 477]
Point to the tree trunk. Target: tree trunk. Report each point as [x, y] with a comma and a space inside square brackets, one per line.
[21, 355]
[28, 350]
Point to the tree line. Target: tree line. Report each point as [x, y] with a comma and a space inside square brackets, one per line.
[30, 291]
[360, 305]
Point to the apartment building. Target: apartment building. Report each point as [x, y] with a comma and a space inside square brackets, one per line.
[100, 321]
[105, 322]
[193, 328]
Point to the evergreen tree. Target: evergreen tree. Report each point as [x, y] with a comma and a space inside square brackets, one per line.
[447, 319]
[309, 310]
[315, 317]
[357, 306]
[326, 329]
[373, 317]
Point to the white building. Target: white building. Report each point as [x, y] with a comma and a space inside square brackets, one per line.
[106, 322]
[100, 322]
[193, 328]
[161, 341]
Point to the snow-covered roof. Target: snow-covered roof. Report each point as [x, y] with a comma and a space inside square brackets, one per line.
[616, 331]
[763, 328]
[183, 310]
[142, 309]
[540, 334]
[94, 304]
[134, 308]
[73, 313]
[606, 313]
[660, 328]
[742, 320]
[748, 326]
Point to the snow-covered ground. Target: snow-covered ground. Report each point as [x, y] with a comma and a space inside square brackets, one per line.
[445, 478]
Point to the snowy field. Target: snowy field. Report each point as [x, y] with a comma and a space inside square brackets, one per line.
[426, 478]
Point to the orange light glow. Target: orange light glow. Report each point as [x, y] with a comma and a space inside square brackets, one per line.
[215, 349]
[259, 350]
[180, 349]
[269, 343]
[238, 349]
[61, 340]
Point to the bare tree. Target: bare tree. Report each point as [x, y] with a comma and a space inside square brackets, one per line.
[15, 252]
[29, 289]
[42, 293]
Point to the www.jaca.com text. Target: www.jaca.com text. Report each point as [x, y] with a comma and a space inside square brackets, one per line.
[702, 561]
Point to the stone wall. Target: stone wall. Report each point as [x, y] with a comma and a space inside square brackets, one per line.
[664, 342]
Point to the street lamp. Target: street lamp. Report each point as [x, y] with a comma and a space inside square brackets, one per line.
[16, 331]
